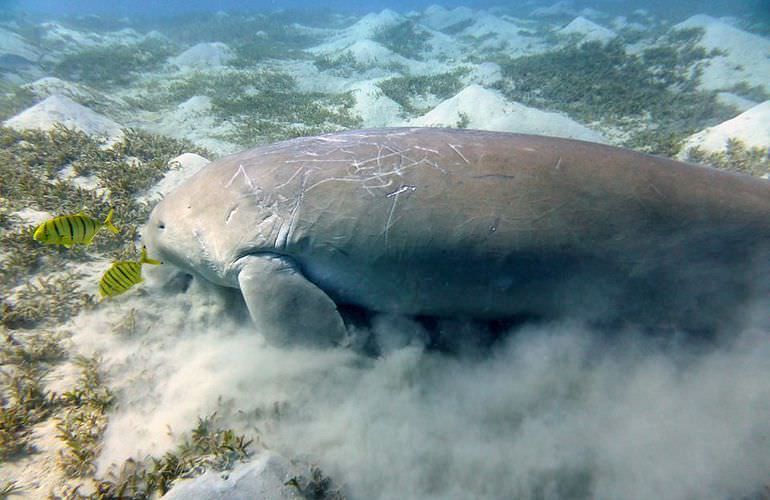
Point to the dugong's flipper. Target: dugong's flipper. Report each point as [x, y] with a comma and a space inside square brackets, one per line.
[286, 307]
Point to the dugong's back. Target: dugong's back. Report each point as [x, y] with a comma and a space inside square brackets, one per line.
[453, 222]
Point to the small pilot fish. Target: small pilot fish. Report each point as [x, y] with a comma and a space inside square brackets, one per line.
[123, 275]
[68, 230]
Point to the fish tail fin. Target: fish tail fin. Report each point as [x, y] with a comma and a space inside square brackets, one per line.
[147, 260]
[39, 234]
[108, 222]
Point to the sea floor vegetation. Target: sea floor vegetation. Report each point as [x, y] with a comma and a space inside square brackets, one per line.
[41, 291]
[736, 157]
[407, 90]
[652, 95]
[643, 86]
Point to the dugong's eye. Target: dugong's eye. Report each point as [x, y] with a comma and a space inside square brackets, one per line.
[161, 225]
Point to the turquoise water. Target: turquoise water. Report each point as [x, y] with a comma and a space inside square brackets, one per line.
[757, 8]
[667, 401]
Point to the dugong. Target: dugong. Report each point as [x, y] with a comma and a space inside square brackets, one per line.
[469, 224]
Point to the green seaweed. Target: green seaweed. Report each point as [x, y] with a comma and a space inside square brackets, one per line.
[113, 65]
[150, 147]
[54, 299]
[253, 38]
[454, 29]
[656, 140]
[257, 50]
[225, 85]
[23, 255]
[601, 82]
[235, 28]
[266, 105]
[84, 419]
[273, 115]
[403, 89]
[8, 488]
[259, 105]
[316, 487]
[405, 38]
[24, 402]
[208, 447]
[736, 157]
[31, 163]
[756, 93]
[463, 120]
[127, 325]
[14, 99]
[343, 64]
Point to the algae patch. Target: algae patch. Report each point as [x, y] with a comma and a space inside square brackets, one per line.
[736, 157]
[406, 89]
[655, 90]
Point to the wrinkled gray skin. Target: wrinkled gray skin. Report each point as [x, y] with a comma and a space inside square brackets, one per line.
[462, 223]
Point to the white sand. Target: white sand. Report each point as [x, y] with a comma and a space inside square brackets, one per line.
[366, 28]
[71, 39]
[498, 33]
[439, 18]
[182, 168]
[485, 74]
[373, 107]
[414, 423]
[368, 53]
[587, 31]
[191, 120]
[740, 103]
[747, 57]
[358, 39]
[752, 127]
[49, 86]
[204, 55]
[13, 44]
[488, 110]
[65, 111]
[560, 8]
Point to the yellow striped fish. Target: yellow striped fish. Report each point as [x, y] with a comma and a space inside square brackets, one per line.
[123, 275]
[68, 230]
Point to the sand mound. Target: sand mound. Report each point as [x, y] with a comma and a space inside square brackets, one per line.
[480, 108]
[66, 38]
[204, 55]
[50, 86]
[439, 18]
[752, 127]
[746, 57]
[365, 29]
[496, 33]
[182, 168]
[63, 110]
[373, 107]
[587, 31]
[14, 45]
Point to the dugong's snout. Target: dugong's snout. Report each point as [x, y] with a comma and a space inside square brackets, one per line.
[154, 236]
[174, 237]
[164, 237]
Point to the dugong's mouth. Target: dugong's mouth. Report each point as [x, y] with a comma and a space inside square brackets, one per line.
[182, 246]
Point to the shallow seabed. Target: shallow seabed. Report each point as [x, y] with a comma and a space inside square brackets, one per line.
[169, 379]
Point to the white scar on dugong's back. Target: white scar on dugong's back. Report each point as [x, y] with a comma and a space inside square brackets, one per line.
[463, 223]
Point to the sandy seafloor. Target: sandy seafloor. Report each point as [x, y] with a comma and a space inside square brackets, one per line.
[553, 411]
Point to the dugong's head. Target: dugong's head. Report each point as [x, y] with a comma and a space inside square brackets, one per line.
[178, 232]
[213, 218]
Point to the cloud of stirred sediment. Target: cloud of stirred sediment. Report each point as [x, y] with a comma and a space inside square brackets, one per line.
[552, 411]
